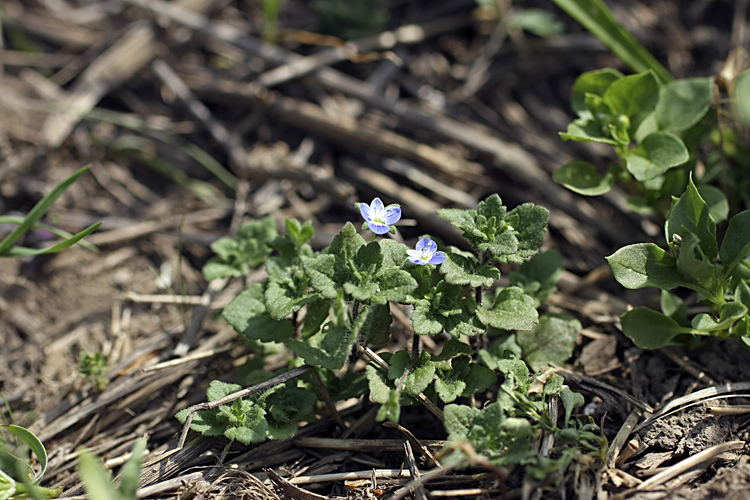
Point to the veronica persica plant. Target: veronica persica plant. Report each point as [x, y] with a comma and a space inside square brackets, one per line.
[426, 252]
[379, 218]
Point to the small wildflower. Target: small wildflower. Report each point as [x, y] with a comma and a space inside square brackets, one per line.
[426, 253]
[379, 218]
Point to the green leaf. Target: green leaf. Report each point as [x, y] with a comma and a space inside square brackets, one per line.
[644, 264]
[581, 177]
[321, 272]
[684, 102]
[218, 389]
[479, 379]
[538, 276]
[742, 294]
[674, 307]
[592, 82]
[586, 130]
[595, 16]
[130, 477]
[254, 426]
[716, 200]
[552, 341]
[315, 315]
[247, 314]
[34, 444]
[97, 480]
[424, 320]
[530, 227]
[362, 292]
[649, 329]
[393, 285]
[448, 389]
[453, 348]
[463, 268]
[741, 101]
[376, 328]
[329, 347]
[736, 244]
[728, 314]
[690, 214]
[657, 153]
[420, 376]
[282, 300]
[693, 263]
[459, 419]
[299, 234]
[633, 96]
[379, 388]
[344, 247]
[290, 403]
[570, 401]
[514, 310]
[391, 409]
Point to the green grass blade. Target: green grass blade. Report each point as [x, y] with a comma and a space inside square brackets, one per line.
[97, 480]
[11, 219]
[38, 211]
[30, 252]
[34, 444]
[596, 17]
[130, 479]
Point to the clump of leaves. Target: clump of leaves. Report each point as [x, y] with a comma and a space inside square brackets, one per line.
[508, 431]
[694, 260]
[94, 367]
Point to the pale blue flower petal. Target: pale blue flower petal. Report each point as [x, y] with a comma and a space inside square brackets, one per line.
[378, 228]
[392, 215]
[377, 205]
[437, 259]
[365, 211]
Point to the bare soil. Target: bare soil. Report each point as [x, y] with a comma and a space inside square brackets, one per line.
[439, 120]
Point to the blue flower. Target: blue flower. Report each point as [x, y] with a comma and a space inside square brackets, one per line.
[379, 218]
[426, 253]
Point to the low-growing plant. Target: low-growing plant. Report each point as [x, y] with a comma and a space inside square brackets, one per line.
[669, 134]
[331, 306]
[690, 262]
[93, 368]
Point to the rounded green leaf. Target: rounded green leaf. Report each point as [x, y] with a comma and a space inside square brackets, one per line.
[634, 96]
[650, 329]
[682, 103]
[742, 97]
[644, 264]
[34, 444]
[736, 243]
[716, 200]
[581, 177]
[656, 154]
[592, 82]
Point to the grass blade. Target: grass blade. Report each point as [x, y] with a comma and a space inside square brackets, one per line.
[38, 211]
[596, 17]
[30, 252]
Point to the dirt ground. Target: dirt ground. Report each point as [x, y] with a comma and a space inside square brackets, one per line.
[193, 125]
